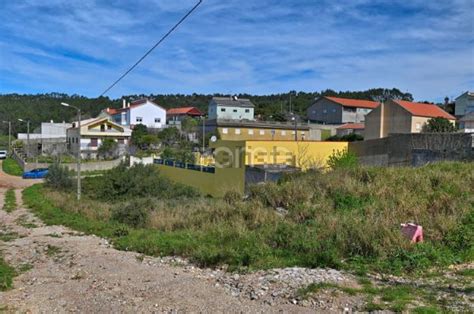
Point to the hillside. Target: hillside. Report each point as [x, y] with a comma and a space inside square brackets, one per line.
[45, 107]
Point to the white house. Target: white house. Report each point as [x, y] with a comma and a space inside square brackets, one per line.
[141, 111]
[92, 134]
[230, 108]
[466, 123]
[464, 104]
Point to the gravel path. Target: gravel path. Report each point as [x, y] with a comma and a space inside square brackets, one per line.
[66, 271]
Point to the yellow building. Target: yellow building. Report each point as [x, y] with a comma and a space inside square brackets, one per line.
[398, 116]
[244, 130]
[300, 154]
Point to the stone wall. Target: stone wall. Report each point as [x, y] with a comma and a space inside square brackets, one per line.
[86, 166]
[414, 149]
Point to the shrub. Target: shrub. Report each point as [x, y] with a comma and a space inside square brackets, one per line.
[135, 213]
[342, 159]
[124, 183]
[232, 197]
[59, 177]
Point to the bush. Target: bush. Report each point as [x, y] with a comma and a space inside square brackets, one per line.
[125, 183]
[342, 159]
[59, 177]
[135, 214]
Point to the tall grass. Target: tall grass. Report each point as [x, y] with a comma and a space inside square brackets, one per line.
[11, 167]
[346, 218]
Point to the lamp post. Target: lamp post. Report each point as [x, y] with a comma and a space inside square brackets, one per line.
[293, 118]
[9, 136]
[78, 148]
[27, 137]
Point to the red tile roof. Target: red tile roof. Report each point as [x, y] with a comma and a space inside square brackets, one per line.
[424, 110]
[352, 126]
[356, 103]
[191, 111]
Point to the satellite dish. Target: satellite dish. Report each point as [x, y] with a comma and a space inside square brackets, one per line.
[213, 138]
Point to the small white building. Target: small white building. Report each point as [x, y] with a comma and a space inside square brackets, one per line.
[231, 108]
[464, 104]
[466, 123]
[141, 111]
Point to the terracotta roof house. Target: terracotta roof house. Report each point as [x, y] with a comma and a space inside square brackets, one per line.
[399, 116]
[142, 111]
[349, 128]
[175, 116]
[336, 110]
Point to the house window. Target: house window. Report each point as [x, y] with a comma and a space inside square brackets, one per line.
[418, 126]
[262, 132]
[222, 109]
[225, 131]
[235, 110]
[109, 127]
[283, 133]
[139, 119]
[247, 110]
[157, 120]
[237, 131]
[334, 110]
[250, 131]
[314, 111]
[325, 111]
[94, 142]
[102, 127]
[121, 141]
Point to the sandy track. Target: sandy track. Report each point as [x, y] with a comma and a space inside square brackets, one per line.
[71, 272]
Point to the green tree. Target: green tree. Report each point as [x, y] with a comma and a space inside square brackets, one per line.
[439, 125]
[169, 135]
[108, 148]
[139, 131]
[189, 125]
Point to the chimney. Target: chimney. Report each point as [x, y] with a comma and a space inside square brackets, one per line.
[128, 105]
[124, 104]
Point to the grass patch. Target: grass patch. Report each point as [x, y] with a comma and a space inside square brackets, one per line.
[316, 287]
[426, 310]
[466, 272]
[7, 236]
[351, 226]
[11, 167]
[52, 250]
[7, 273]
[23, 268]
[9, 204]
[23, 221]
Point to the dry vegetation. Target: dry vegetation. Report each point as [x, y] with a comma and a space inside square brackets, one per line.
[346, 218]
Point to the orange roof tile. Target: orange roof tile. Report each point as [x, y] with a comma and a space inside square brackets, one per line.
[350, 126]
[192, 111]
[424, 110]
[357, 103]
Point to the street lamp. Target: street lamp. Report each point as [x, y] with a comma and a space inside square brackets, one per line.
[78, 148]
[293, 118]
[9, 136]
[27, 137]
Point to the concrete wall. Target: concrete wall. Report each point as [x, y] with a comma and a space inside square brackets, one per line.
[413, 149]
[214, 184]
[263, 134]
[86, 166]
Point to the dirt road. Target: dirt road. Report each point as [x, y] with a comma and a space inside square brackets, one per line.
[65, 271]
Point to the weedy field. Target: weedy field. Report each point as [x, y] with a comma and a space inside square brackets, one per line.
[347, 218]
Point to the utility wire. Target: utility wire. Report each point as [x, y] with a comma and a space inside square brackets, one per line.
[152, 48]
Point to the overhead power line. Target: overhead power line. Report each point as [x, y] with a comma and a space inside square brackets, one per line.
[152, 48]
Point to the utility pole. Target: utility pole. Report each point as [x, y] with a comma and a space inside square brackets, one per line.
[9, 136]
[78, 158]
[27, 151]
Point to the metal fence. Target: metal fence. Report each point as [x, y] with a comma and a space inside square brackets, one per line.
[183, 165]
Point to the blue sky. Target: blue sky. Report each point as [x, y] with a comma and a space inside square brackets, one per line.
[238, 46]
